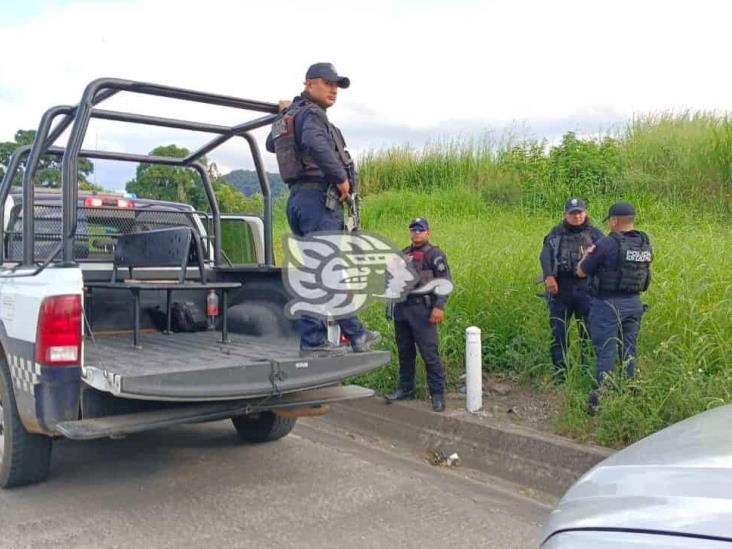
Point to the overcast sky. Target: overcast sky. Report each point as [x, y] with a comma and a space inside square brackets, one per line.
[419, 69]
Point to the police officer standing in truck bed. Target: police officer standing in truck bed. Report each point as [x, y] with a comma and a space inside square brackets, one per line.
[313, 161]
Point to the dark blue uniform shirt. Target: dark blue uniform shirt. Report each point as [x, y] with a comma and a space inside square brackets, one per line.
[605, 258]
[314, 136]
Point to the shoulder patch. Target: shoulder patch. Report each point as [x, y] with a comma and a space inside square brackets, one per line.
[439, 263]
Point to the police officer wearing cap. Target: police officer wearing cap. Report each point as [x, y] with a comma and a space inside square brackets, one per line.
[416, 319]
[315, 164]
[567, 295]
[619, 270]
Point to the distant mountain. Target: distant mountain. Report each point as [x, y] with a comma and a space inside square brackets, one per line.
[247, 182]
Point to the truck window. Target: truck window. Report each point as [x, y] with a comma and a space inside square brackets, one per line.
[237, 241]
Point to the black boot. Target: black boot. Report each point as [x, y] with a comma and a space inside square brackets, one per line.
[399, 394]
[438, 403]
[324, 350]
[559, 375]
[593, 402]
[366, 342]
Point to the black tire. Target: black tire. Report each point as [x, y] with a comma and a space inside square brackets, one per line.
[263, 427]
[24, 457]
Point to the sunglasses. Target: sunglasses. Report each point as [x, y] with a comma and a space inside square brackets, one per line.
[415, 230]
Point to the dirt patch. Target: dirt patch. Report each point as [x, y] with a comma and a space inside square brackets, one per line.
[505, 400]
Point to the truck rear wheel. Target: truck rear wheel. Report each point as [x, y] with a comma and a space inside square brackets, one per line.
[263, 427]
[24, 457]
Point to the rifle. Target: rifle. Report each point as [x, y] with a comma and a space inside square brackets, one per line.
[353, 220]
[539, 279]
[389, 310]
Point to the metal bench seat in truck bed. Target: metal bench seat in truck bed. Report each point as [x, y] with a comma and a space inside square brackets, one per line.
[197, 366]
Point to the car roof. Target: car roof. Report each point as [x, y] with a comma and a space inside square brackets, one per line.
[676, 480]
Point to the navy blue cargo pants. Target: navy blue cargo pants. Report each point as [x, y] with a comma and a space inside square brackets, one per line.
[613, 322]
[413, 331]
[306, 213]
[573, 300]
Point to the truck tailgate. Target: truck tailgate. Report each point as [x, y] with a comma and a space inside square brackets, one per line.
[198, 367]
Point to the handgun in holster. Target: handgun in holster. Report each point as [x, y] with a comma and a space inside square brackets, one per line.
[331, 198]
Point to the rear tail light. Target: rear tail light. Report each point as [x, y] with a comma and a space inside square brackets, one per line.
[97, 202]
[93, 202]
[58, 337]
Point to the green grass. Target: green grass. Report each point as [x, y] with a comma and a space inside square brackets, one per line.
[490, 204]
[685, 344]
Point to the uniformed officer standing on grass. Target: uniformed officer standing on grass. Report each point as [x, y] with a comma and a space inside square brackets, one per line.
[416, 319]
[567, 295]
[619, 270]
[313, 161]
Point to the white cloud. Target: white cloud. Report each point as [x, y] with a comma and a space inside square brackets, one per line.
[416, 67]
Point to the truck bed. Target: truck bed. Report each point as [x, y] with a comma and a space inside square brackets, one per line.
[198, 366]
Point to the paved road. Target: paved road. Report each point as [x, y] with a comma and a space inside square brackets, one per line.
[195, 486]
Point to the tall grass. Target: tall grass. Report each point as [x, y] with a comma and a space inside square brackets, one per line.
[680, 158]
[490, 205]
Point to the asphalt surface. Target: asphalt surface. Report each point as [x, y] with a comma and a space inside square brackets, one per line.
[197, 486]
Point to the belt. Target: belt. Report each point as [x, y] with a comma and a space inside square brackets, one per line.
[570, 276]
[308, 186]
[418, 300]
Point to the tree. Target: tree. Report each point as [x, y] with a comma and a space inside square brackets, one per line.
[48, 173]
[183, 185]
[232, 201]
[168, 182]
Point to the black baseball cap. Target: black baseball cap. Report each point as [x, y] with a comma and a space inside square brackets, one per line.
[419, 223]
[620, 209]
[575, 205]
[327, 72]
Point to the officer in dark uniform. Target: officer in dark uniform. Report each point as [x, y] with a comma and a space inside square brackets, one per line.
[313, 161]
[567, 295]
[619, 270]
[416, 319]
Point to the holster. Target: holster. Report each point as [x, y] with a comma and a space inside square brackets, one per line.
[331, 198]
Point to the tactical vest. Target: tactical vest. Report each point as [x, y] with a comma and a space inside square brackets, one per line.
[570, 250]
[634, 266]
[294, 164]
[420, 264]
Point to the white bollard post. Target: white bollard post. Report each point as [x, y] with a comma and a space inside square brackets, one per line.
[473, 370]
[334, 332]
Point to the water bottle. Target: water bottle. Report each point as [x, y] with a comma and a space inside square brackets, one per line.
[212, 309]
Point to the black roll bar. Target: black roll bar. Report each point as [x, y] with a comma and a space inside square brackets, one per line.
[241, 129]
[266, 197]
[98, 91]
[40, 143]
[5, 186]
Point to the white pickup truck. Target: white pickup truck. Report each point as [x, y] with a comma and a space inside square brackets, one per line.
[89, 283]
